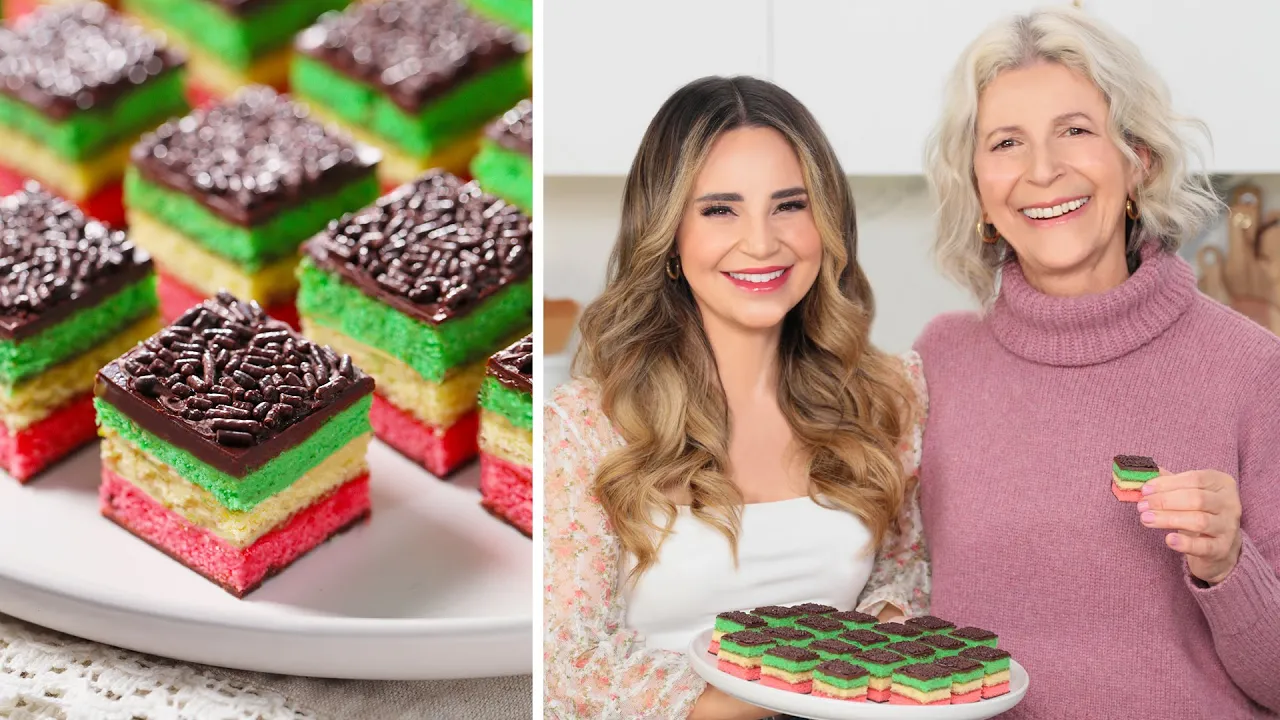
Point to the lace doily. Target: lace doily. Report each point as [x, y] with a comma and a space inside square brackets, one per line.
[44, 674]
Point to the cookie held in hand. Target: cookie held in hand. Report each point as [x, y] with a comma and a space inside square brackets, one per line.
[1129, 473]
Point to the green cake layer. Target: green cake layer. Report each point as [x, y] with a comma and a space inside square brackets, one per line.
[82, 330]
[942, 683]
[431, 350]
[994, 666]
[244, 494]
[252, 247]
[505, 173]
[967, 677]
[1134, 475]
[89, 132]
[513, 13]
[791, 666]
[517, 407]
[842, 683]
[237, 41]
[744, 650]
[442, 122]
[880, 670]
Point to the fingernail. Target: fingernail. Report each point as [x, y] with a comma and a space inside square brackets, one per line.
[1174, 540]
[1146, 489]
[1144, 506]
[1148, 516]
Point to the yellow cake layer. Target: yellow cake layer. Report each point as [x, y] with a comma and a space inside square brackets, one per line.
[499, 437]
[202, 509]
[196, 267]
[716, 635]
[439, 404]
[877, 683]
[75, 181]
[35, 398]
[964, 688]
[996, 678]
[833, 691]
[210, 73]
[924, 698]
[739, 660]
[1127, 484]
[398, 167]
[785, 675]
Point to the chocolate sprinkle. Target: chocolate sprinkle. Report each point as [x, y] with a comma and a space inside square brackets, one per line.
[514, 131]
[821, 623]
[912, 649]
[958, 664]
[813, 608]
[198, 370]
[842, 669]
[1136, 462]
[776, 611]
[854, 616]
[863, 637]
[983, 653]
[747, 638]
[943, 642]
[251, 156]
[880, 656]
[412, 50]
[67, 59]
[898, 629]
[929, 623]
[787, 633]
[793, 653]
[54, 260]
[925, 671]
[973, 633]
[513, 367]
[433, 249]
[747, 620]
[835, 647]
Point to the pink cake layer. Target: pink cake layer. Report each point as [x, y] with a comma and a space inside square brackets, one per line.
[803, 688]
[738, 670]
[879, 696]
[1126, 495]
[969, 697]
[238, 570]
[506, 490]
[860, 698]
[995, 690]
[714, 647]
[25, 453]
[439, 450]
[896, 699]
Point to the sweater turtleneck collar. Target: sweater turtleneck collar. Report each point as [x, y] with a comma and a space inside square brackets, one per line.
[1092, 329]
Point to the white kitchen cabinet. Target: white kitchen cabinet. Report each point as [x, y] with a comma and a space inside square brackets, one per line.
[608, 66]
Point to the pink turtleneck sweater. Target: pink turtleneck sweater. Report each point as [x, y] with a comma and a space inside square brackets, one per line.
[1028, 404]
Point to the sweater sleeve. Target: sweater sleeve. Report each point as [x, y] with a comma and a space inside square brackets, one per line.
[594, 666]
[900, 575]
[1244, 609]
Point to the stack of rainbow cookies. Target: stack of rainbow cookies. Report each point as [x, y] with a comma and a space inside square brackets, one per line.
[233, 444]
[73, 295]
[421, 289]
[78, 86]
[232, 43]
[923, 661]
[223, 197]
[504, 165]
[418, 79]
[1129, 473]
[506, 436]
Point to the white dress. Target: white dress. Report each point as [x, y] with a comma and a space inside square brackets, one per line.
[789, 552]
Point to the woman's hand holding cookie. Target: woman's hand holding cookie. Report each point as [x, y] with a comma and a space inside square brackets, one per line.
[1203, 506]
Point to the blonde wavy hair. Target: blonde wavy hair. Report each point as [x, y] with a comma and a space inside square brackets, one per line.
[1173, 201]
[643, 341]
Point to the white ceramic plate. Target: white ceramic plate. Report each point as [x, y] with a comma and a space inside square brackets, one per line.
[432, 587]
[818, 708]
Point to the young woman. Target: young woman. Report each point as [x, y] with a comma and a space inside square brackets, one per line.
[1059, 164]
[732, 440]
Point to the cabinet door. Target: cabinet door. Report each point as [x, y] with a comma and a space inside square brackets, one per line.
[872, 71]
[608, 66]
[1218, 59]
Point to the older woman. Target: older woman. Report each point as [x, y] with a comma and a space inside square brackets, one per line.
[1060, 171]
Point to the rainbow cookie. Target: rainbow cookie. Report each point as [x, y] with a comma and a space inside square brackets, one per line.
[916, 652]
[78, 86]
[945, 645]
[822, 627]
[788, 635]
[930, 625]
[854, 620]
[740, 653]
[223, 197]
[232, 43]
[233, 444]
[418, 79]
[506, 436]
[897, 632]
[504, 164]
[966, 679]
[975, 636]
[864, 639]
[789, 668]
[880, 663]
[421, 289]
[1129, 473]
[732, 622]
[995, 667]
[814, 609]
[833, 649]
[778, 615]
[921, 684]
[73, 295]
[840, 680]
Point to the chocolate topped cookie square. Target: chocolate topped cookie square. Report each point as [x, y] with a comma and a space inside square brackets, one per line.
[514, 131]
[513, 368]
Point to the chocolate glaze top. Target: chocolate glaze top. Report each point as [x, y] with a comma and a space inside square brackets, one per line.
[943, 642]
[813, 608]
[746, 620]
[54, 261]
[412, 50]
[251, 156]
[837, 647]
[983, 653]
[925, 671]
[1136, 462]
[784, 632]
[972, 633]
[898, 629]
[433, 249]
[864, 637]
[912, 649]
[776, 611]
[748, 638]
[71, 58]
[929, 622]
[513, 367]
[842, 669]
[821, 623]
[793, 653]
[226, 376]
[856, 617]
[880, 656]
[514, 131]
[958, 664]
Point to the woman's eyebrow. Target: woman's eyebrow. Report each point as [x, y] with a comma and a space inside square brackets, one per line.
[721, 197]
[789, 192]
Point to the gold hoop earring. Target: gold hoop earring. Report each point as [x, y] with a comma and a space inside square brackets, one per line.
[673, 267]
[1130, 209]
[988, 238]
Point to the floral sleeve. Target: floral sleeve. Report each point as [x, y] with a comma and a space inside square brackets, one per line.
[594, 666]
[901, 572]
